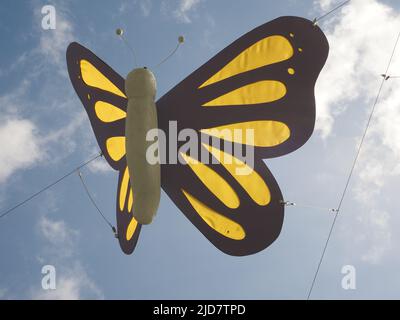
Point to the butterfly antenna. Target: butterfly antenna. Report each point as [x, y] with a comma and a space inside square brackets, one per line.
[120, 33]
[181, 40]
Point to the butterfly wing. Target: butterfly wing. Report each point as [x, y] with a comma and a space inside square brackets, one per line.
[102, 92]
[239, 214]
[264, 81]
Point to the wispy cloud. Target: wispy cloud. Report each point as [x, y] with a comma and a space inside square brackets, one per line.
[72, 280]
[145, 7]
[53, 43]
[185, 8]
[324, 4]
[39, 119]
[378, 224]
[73, 284]
[181, 10]
[58, 235]
[359, 55]
[99, 165]
[27, 136]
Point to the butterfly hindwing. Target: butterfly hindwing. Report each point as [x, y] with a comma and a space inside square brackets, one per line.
[128, 228]
[235, 206]
[102, 93]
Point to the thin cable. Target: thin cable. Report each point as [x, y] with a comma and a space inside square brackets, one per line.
[309, 206]
[331, 11]
[5, 213]
[316, 207]
[93, 202]
[387, 77]
[353, 167]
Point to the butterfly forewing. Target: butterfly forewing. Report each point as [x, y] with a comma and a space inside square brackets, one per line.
[264, 80]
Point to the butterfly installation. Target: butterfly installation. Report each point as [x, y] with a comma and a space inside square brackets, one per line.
[264, 81]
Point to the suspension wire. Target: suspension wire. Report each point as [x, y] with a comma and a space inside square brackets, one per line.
[315, 21]
[309, 206]
[387, 76]
[94, 202]
[384, 79]
[10, 210]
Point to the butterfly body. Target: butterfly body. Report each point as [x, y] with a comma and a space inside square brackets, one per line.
[140, 88]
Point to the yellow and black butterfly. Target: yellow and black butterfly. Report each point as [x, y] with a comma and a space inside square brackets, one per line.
[263, 81]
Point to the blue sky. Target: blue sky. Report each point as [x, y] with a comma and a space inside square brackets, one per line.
[44, 132]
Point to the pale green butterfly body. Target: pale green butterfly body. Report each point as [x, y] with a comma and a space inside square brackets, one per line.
[145, 176]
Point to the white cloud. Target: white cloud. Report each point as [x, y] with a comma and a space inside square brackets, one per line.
[99, 165]
[38, 123]
[145, 7]
[185, 9]
[377, 223]
[127, 7]
[72, 284]
[53, 43]
[57, 233]
[361, 37]
[60, 250]
[20, 146]
[324, 4]
[63, 137]
[359, 52]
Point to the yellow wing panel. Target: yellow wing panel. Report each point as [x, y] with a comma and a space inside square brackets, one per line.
[254, 93]
[127, 200]
[94, 78]
[107, 112]
[116, 147]
[251, 182]
[267, 51]
[261, 133]
[131, 229]
[214, 182]
[218, 222]
[124, 189]
[130, 200]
